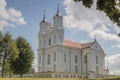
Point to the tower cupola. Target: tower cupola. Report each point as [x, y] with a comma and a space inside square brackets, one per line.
[58, 19]
[44, 25]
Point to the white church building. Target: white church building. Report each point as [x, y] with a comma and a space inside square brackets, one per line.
[60, 58]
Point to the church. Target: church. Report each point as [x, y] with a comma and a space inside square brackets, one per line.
[60, 58]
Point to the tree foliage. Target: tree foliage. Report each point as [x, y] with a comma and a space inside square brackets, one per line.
[8, 50]
[1, 49]
[24, 62]
[107, 6]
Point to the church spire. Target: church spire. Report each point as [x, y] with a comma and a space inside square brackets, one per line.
[57, 10]
[43, 15]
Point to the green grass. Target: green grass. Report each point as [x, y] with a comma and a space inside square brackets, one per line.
[54, 79]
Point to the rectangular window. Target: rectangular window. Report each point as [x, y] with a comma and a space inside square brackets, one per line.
[40, 43]
[49, 42]
[76, 59]
[64, 57]
[97, 69]
[39, 68]
[85, 59]
[54, 68]
[54, 56]
[40, 59]
[96, 59]
[76, 69]
[48, 58]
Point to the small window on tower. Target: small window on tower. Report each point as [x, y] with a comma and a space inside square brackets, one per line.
[40, 43]
[60, 38]
[54, 39]
[49, 41]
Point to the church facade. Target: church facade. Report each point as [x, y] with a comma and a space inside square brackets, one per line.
[62, 58]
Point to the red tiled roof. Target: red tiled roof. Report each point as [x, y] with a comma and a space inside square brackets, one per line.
[72, 44]
[86, 45]
[77, 45]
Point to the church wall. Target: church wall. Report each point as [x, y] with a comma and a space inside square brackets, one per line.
[64, 59]
[51, 51]
[100, 64]
[88, 66]
[75, 52]
[69, 65]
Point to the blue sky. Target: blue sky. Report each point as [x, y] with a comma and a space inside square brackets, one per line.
[22, 17]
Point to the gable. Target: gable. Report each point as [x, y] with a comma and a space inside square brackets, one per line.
[96, 46]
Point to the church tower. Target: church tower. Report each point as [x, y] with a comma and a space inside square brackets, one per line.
[44, 28]
[58, 28]
[49, 36]
[58, 19]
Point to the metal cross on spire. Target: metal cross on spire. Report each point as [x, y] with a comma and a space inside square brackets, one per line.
[57, 9]
[44, 15]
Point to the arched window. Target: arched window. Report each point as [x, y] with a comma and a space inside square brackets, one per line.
[49, 41]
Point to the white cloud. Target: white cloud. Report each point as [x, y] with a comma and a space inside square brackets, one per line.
[94, 22]
[10, 16]
[14, 13]
[113, 63]
[116, 46]
[101, 34]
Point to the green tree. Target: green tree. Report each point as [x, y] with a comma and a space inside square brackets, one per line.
[9, 51]
[24, 62]
[1, 49]
[107, 6]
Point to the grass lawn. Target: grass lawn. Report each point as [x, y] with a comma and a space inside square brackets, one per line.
[54, 79]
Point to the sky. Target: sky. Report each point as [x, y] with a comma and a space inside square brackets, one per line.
[22, 18]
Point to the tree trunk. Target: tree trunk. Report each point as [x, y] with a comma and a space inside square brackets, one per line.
[10, 73]
[3, 67]
[21, 75]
